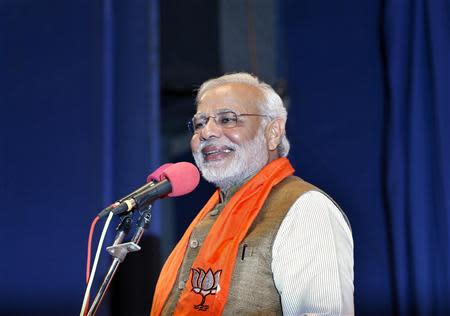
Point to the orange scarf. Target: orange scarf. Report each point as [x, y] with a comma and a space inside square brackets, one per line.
[207, 291]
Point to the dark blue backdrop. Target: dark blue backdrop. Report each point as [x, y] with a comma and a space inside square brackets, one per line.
[52, 153]
[417, 179]
[79, 91]
[369, 121]
[335, 123]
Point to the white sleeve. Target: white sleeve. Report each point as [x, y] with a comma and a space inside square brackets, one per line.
[312, 259]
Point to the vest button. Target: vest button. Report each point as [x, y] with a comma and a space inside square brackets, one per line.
[193, 243]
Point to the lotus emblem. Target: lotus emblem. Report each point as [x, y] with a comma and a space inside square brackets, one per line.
[205, 283]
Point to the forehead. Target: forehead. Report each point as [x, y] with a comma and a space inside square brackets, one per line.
[238, 97]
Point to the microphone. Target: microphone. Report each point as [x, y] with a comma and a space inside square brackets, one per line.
[152, 178]
[178, 179]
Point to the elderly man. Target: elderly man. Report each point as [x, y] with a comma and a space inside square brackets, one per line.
[267, 242]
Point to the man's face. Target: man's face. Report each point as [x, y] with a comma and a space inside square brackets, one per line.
[228, 155]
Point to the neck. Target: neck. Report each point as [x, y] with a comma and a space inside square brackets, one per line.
[227, 192]
[273, 154]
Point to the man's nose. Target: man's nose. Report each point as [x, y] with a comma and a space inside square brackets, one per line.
[211, 129]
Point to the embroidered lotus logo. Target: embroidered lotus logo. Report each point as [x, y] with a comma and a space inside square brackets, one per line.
[205, 283]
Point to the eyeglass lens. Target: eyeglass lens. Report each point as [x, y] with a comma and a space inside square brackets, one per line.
[223, 119]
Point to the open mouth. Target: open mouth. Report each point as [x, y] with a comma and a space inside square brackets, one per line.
[215, 153]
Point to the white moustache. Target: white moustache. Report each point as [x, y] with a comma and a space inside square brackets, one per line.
[217, 143]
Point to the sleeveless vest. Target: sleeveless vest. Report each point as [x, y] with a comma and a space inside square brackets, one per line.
[252, 290]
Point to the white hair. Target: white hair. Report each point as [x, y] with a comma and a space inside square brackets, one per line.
[271, 105]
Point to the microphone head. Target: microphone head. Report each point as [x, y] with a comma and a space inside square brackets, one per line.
[183, 176]
[156, 175]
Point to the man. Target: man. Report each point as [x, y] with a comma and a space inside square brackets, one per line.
[266, 243]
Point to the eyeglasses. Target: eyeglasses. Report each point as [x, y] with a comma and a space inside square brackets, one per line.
[226, 119]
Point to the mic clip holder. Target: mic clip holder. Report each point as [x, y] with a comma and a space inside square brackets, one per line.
[120, 250]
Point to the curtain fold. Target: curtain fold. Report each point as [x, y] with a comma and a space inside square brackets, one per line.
[417, 37]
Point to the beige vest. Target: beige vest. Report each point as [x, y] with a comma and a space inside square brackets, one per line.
[252, 290]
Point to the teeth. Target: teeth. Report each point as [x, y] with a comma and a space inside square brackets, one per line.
[217, 151]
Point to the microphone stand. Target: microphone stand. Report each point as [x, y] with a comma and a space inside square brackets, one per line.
[120, 250]
[123, 228]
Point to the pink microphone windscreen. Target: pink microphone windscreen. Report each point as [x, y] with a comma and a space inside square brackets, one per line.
[156, 175]
[183, 176]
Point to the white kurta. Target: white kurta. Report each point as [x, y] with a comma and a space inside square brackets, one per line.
[313, 259]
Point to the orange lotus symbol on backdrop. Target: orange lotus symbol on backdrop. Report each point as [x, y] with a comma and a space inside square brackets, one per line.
[205, 283]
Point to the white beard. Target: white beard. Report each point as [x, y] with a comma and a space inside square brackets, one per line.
[248, 159]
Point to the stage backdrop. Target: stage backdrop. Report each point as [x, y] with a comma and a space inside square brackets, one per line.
[80, 126]
[369, 121]
[417, 156]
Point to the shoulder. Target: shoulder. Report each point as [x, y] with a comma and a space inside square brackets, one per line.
[289, 190]
[294, 184]
[308, 200]
[315, 206]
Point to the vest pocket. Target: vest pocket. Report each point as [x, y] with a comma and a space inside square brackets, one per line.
[251, 290]
[245, 252]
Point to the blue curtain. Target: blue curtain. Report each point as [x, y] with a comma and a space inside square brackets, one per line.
[417, 41]
[388, 166]
[79, 94]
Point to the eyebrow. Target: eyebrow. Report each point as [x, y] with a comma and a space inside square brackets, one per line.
[223, 110]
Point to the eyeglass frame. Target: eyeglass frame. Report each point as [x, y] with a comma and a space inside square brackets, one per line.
[190, 123]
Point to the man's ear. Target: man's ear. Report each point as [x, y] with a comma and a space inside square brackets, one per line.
[274, 132]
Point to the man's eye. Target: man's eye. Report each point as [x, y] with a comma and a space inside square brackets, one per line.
[227, 120]
[199, 124]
